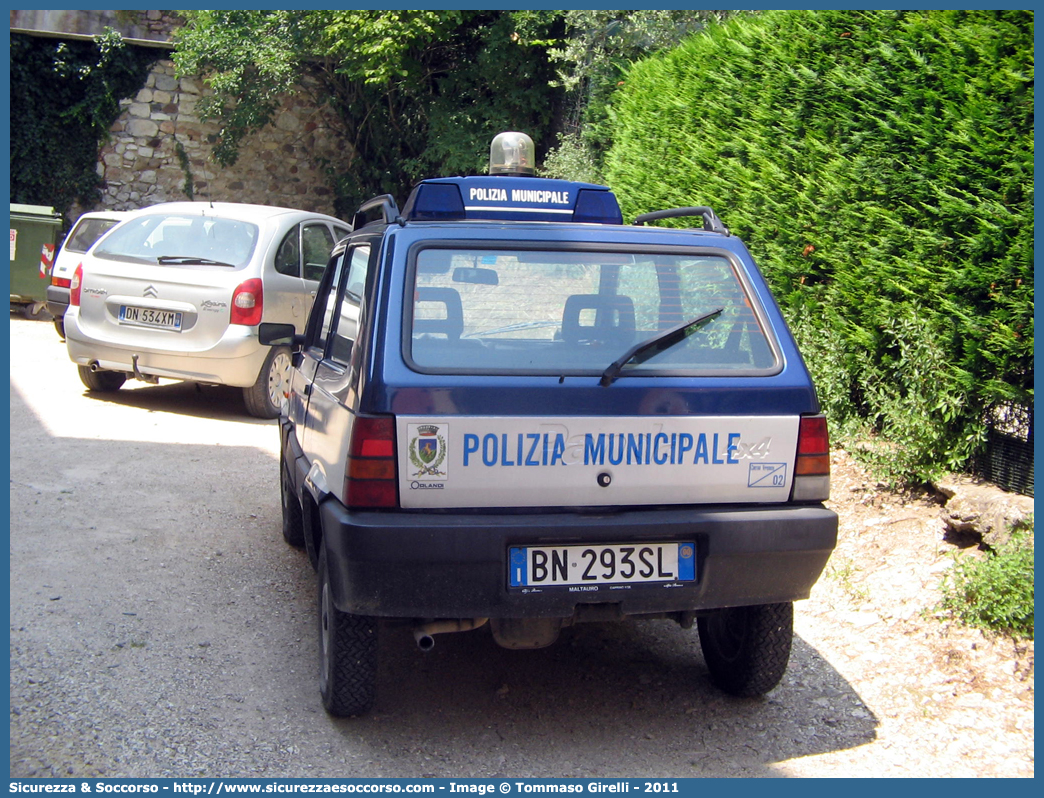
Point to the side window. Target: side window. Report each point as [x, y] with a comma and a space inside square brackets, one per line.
[326, 301]
[316, 244]
[87, 232]
[288, 256]
[347, 327]
[357, 275]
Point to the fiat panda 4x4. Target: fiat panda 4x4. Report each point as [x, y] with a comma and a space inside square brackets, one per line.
[510, 409]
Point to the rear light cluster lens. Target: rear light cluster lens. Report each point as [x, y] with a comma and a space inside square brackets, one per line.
[371, 477]
[61, 282]
[248, 303]
[812, 469]
[813, 455]
[74, 286]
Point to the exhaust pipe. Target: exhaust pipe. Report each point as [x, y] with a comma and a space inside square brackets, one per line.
[94, 367]
[424, 633]
[425, 642]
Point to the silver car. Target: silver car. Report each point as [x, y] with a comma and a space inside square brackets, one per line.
[88, 229]
[178, 291]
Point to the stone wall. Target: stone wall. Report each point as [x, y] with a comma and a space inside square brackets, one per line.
[152, 28]
[156, 24]
[159, 151]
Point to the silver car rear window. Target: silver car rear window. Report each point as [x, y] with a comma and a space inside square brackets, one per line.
[86, 232]
[182, 240]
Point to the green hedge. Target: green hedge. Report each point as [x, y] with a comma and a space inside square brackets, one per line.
[879, 165]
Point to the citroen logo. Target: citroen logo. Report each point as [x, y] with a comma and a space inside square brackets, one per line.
[150, 291]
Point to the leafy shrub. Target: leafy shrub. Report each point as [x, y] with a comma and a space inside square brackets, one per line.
[572, 159]
[879, 164]
[995, 592]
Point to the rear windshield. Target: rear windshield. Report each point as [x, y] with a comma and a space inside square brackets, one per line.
[86, 232]
[181, 240]
[561, 312]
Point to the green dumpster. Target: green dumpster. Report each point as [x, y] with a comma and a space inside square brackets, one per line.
[34, 232]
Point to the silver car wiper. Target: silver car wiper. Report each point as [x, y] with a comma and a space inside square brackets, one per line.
[192, 260]
[651, 347]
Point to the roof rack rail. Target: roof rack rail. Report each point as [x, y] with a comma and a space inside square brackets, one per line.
[386, 204]
[710, 218]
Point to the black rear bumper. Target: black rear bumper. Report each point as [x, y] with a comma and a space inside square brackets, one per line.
[439, 565]
[57, 300]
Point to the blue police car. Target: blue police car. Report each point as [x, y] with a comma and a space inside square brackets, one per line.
[510, 409]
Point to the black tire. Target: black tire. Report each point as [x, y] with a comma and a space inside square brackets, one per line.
[101, 381]
[264, 398]
[348, 653]
[36, 311]
[313, 533]
[59, 327]
[293, 519]
[747, 648]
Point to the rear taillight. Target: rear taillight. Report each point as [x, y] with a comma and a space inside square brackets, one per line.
[74, 286]
[370, 477]
[248, 303]
[812, 468]
[61, 282]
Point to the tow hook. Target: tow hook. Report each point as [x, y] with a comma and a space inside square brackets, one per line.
[143, 377]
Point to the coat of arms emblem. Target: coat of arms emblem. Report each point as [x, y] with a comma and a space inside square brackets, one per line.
[427, 450]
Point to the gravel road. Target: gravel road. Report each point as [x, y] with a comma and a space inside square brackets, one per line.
[160, 627]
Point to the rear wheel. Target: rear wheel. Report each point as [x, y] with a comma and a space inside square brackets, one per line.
[747, 648]
[59, 326]
[265, 397]
[35, 311]
[348, 671]
[101, 381]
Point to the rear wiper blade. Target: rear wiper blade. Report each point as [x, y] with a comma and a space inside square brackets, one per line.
[192, 260]
[651, 347]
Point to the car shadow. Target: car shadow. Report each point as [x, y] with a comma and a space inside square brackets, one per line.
[219, 402]
[602, 689]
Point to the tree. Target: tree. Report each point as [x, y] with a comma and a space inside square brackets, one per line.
[591, 61]
[414, 93]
